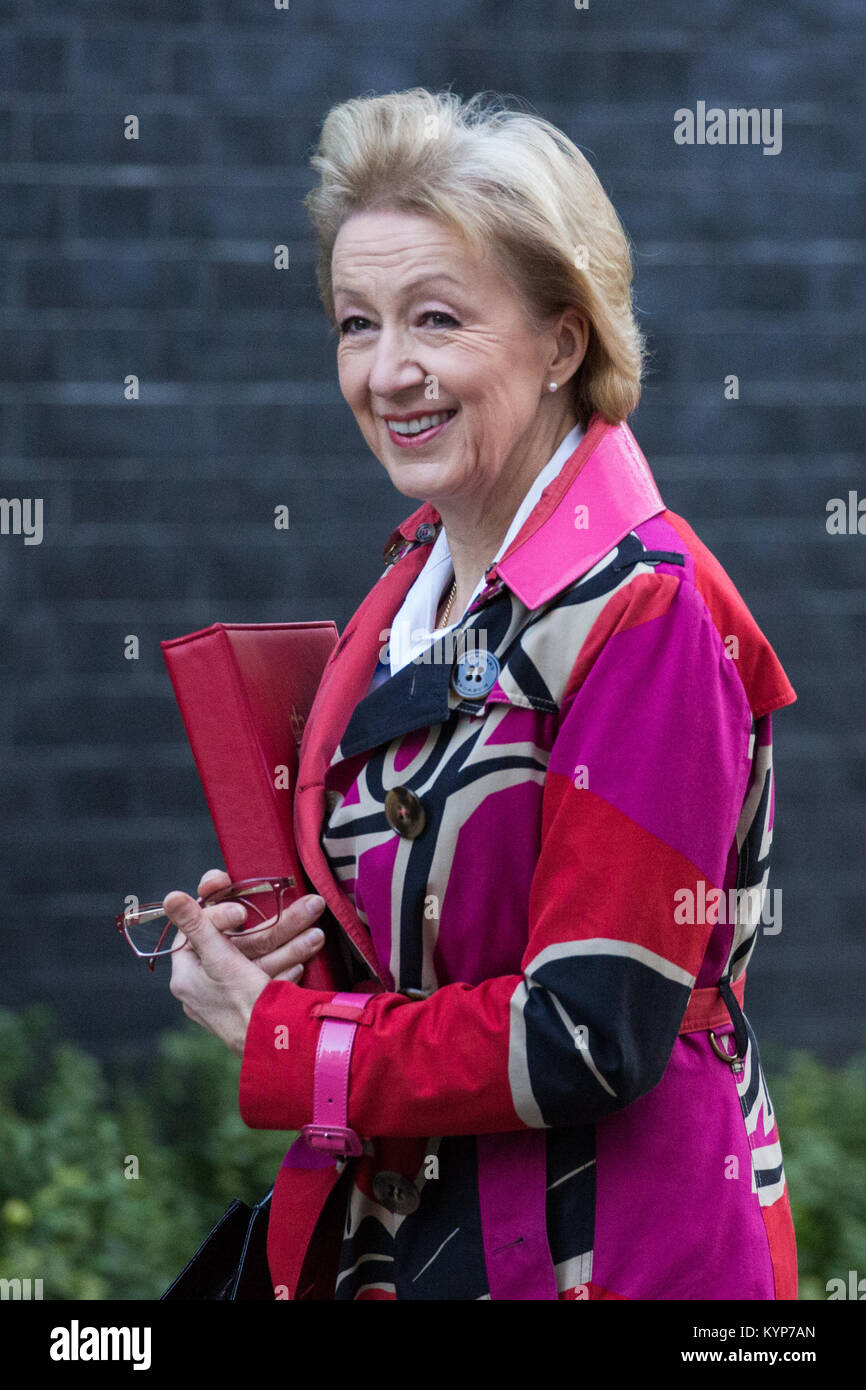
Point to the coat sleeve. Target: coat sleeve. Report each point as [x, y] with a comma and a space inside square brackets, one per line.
[643, 790]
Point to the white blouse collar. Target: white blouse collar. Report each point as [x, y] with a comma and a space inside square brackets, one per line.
[412, 629]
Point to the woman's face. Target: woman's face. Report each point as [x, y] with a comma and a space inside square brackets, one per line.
[427, 328]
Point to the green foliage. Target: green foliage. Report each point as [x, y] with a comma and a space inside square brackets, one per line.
[821, 1113]
[71, 1214]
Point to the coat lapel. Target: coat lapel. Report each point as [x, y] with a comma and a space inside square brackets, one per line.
[602, 492]
[344, 681]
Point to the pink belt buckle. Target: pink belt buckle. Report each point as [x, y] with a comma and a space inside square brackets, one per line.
[329, 1131]
[338, 1140]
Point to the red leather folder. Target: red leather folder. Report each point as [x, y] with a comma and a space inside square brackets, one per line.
[244, 691]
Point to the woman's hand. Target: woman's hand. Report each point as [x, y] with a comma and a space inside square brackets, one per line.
[283, 949]
[217, 983]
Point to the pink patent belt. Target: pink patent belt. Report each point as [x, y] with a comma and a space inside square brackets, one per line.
[330, 1132]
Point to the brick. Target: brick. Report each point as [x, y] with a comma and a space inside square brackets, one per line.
[734, 74]
[247, 140]
[102, 353]
[301, 429]
[39, 63]
[771, 355]
[106, 431]
[97, 137]
[256, 63]
[106, 282]
[715, 201]
[774, 429]
[256, 285]
[242, 351]
[31, 211]
[127, 61]
[8, 130]
[95, 718]
[28, 354]
[123, 213]
[270, 210]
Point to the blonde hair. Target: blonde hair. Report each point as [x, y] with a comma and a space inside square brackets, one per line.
[510, 183]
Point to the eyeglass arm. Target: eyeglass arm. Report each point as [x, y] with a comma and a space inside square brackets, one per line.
[147, 915]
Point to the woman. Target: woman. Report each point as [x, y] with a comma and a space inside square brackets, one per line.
[534, 789]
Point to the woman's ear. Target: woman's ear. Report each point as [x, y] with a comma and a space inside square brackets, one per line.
[571, 331]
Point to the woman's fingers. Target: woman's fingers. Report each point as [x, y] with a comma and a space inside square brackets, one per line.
[296, 952]
[295, 921]
[204, 928]
[284, 948]
[293, 975]
[210, 881]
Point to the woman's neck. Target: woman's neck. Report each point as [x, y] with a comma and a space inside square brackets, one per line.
[475, 530]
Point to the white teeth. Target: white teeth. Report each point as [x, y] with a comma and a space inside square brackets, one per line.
[426, 422]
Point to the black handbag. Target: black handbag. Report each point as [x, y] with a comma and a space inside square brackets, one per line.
[231, 1264]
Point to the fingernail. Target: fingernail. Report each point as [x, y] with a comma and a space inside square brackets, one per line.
[234, 914]
[295, 973]
[315, 937]
[315, 904]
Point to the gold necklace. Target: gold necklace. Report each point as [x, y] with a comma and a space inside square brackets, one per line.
[443, 621]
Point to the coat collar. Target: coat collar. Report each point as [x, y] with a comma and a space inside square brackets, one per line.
[601, 494]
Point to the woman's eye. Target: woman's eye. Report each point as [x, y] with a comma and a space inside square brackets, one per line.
[443, 320]
[439, 314]
[354, 318]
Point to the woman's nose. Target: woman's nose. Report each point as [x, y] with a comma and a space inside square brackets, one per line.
[393, 366]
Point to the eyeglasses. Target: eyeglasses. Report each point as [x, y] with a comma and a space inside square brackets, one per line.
[147, 926]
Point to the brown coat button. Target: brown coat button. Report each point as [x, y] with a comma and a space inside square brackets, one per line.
[404, 812]
[396, 1193]
[392, 549]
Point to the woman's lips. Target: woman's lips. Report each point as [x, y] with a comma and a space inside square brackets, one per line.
[414, 441]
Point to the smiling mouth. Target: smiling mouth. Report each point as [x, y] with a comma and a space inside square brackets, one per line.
[418, 431]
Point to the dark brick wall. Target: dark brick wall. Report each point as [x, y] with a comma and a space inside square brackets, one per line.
[155, 258]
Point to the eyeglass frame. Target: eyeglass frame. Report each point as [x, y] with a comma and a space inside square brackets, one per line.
[279, 886]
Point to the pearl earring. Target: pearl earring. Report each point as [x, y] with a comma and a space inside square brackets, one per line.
[552, 386]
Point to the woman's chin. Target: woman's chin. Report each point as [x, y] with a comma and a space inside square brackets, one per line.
[421, 478]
